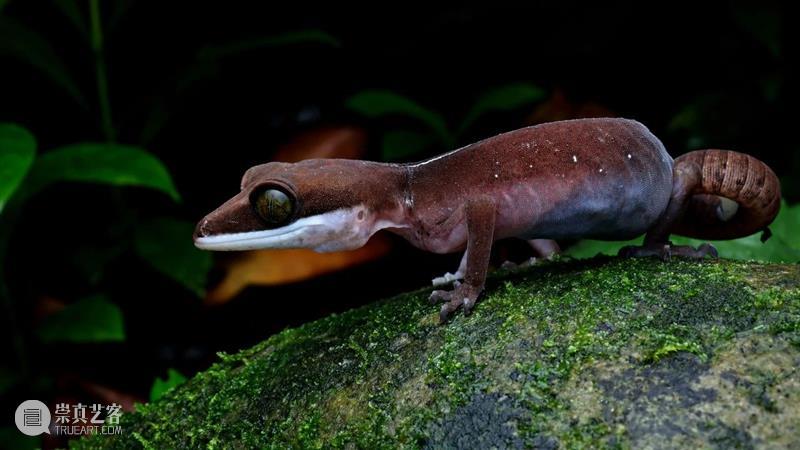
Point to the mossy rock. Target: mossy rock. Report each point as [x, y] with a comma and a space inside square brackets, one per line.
[603, 353]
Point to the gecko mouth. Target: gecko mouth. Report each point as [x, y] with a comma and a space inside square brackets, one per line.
[340, 229]
[294, 235]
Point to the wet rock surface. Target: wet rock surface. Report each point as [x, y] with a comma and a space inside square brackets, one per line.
[605, 353]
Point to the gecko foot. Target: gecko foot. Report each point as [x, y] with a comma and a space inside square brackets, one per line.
[462, 295]
[665, 251]
[510, 265]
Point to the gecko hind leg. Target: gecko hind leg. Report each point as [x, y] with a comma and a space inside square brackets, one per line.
[543, 249]
[686, 177]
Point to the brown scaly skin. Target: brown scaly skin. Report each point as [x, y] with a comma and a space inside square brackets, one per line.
[590, 178]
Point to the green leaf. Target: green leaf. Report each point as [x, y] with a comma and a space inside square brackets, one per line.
[166, 244]
[24, 44]
[160, 387]
[104, 163]
[503, 98]
[381, 103]
[763, 21]
[92, 319]
[310, 36]
[73, 13]
[91, 261]
[12, 438]
[401, 145]
[17, 151]
[783, 246]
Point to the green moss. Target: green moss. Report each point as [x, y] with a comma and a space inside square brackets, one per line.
[568, 354]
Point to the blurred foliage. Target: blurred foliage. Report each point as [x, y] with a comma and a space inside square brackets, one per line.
[206, 66]
[503, 98]
[13, 439]
[166, 244]
[402, 144]
[17, 150]
[92, 319]
[783, 246]
[762, 20]
[28, 46]
[310, 36]
[161, 386]
[104, 163]
[378, 103]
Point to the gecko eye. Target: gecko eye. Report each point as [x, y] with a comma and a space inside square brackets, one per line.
[274, 206]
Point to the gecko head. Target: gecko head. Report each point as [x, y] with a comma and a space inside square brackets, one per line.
[321, 204]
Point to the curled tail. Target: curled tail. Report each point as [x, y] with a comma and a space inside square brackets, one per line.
[734, 176]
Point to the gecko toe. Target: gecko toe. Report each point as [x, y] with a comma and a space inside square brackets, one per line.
[448, 309]
[665, 251]
[439, 296]
[708, 249]
[461, 297]
[661, 250]
[698, 253]
[468, 303]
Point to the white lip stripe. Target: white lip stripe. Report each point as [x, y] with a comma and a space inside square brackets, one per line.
[248, 241]
[283, 237]
[342, 229]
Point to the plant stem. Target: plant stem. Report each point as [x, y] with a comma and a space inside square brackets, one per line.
[100, 67]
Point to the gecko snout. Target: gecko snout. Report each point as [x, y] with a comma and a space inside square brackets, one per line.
[202, 229]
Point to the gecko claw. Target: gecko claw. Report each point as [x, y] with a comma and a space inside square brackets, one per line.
[461, 296]
[468, 305]
[452, 306]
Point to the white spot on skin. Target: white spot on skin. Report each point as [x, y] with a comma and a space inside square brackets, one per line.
[530, 165]
[496, 175]
[574, 158]
[629, 156]
[527, 145]
[601, 170]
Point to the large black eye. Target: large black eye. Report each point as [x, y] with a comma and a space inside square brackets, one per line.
[273, 205]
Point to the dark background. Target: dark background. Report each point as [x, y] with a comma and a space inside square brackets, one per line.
[726, 68]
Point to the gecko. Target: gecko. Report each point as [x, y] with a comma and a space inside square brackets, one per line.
[599, 178]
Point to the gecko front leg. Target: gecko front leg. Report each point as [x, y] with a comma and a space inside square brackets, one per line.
[480, 215]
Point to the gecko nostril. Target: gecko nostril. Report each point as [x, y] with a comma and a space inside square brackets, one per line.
[202, 229]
